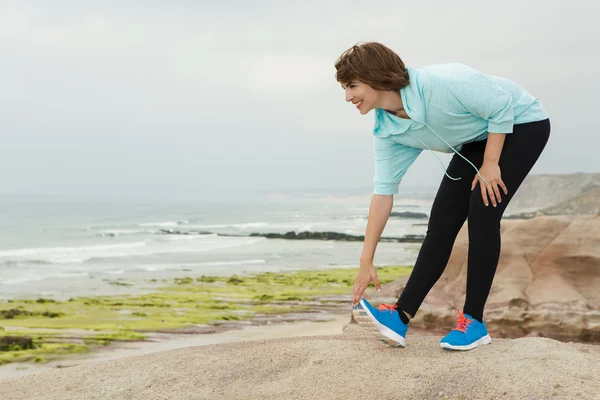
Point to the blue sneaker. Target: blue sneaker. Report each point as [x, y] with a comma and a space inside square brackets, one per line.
[383, 321]
[467, 334]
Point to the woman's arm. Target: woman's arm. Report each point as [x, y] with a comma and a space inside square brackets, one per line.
[493, 148]
[379, 212]
[392, 160]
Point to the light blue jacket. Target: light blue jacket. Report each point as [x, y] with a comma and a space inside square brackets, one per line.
[449, 105]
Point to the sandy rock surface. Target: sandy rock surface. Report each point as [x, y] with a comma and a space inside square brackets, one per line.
[353, 365]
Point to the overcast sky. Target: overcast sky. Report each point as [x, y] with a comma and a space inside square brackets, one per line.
[196, 97]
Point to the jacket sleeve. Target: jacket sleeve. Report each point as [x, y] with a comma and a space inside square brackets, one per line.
[482, 97]
[392, 160]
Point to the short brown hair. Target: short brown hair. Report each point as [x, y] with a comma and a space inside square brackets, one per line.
[374, 64]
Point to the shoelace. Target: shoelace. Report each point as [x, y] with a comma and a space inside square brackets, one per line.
[383, 307]
[463, 322]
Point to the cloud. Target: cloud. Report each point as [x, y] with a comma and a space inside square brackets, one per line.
[205, 96]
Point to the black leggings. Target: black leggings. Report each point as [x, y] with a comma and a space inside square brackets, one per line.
[455, 202]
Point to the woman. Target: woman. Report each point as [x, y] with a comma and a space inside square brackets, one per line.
[495, 129]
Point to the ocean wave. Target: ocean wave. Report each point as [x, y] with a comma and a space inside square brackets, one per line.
[58, 255]
[162, 267]
[34, 276]
[166, 224]
[17, 263]
[22, 279]
[184, 237]
[253, 261]
[115, 272]
[119, 232]
[103, 252]
[276, 226]
[241, 225]
[158, 267]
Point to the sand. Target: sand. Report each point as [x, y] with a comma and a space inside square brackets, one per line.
[350, 365]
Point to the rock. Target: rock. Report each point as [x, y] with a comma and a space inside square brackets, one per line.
[16, 343]
[335, 236]
[12, 313]
[405, 239]
[408, 214]
[327, 367]
[311, 236]
[305, 235]
[586, 203]
[542, 191]
[528, 215]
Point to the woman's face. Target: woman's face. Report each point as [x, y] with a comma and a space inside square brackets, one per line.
[363, 96]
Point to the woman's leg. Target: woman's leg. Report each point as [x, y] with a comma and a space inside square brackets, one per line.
[521, 150]
[448, 214]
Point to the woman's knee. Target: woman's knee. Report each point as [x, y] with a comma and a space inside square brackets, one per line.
[482, 215]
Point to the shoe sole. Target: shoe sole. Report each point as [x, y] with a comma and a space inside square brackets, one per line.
[365, 319]
[483, 341]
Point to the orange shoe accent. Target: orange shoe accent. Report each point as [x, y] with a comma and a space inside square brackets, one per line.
[462, 322]
[383, 307]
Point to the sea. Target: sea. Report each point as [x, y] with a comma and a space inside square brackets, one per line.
[59, 248]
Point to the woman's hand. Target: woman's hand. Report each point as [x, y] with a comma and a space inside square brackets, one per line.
[366, 275]
[491, 173]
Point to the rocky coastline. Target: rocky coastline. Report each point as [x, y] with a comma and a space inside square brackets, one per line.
[305, 235]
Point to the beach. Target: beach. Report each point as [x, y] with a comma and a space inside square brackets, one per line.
[245, 303]
[83, 281]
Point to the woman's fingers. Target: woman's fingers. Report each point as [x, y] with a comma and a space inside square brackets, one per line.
[354, 294]
[358, 291]
[490, 192]
[484, 194]
[474, 183]
[357, 295]
[503, 187]
[363, 279]
[493, 191]
[376, 282]
[497, 193]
